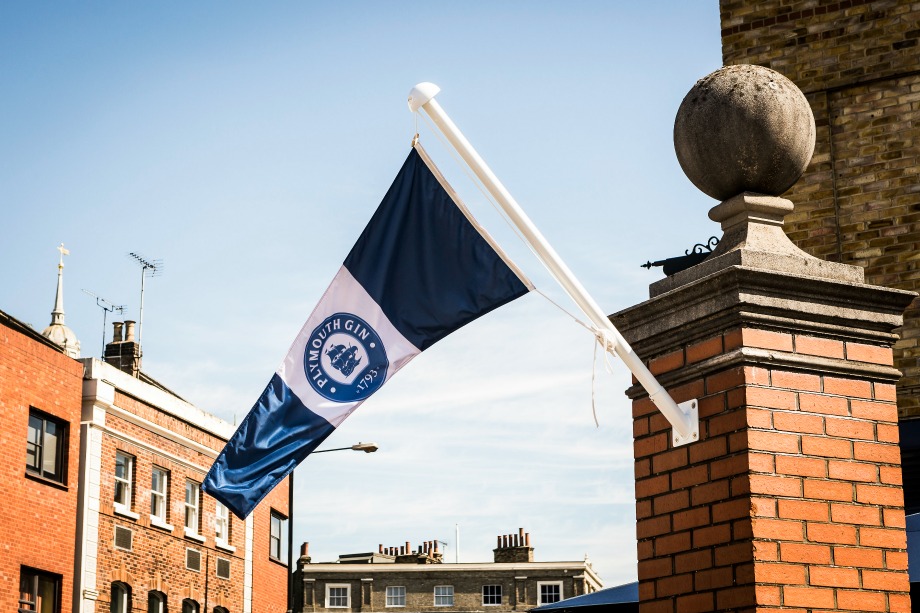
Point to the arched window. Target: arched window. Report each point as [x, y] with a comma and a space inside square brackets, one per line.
[220, 610]
[156, 602]
[121, 598]
[190, 606]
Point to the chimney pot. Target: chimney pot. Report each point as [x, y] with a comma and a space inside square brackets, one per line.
[527, 539]
[129, 331]
[380, 548]
[116, 334]
[305, 549]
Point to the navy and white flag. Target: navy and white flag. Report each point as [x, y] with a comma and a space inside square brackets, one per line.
[421, 269]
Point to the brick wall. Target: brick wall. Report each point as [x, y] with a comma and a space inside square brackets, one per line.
[157, 558]
[858, 62]
[791, 498]
[38, 528]
[270, 577]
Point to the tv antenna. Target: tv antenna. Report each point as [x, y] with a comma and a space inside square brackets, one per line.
[149, 268]
[107, 307]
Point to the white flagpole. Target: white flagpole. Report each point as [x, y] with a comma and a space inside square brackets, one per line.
[683, 417]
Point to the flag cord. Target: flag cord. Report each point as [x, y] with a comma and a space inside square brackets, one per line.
[601, 337]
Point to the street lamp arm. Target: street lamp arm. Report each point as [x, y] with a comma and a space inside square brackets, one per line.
[365, 447]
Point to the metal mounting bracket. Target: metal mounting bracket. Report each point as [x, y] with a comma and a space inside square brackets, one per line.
[691, 410]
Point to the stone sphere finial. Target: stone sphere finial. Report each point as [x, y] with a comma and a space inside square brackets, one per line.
[744, 128]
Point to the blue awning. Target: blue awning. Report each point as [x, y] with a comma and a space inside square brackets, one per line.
[618, 595]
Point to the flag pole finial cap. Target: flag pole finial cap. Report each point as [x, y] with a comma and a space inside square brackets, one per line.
[422, 93]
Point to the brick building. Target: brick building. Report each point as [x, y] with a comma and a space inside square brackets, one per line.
[148, 539]
[102, 466]
[39, 469]
[400, 578]
[858, 63]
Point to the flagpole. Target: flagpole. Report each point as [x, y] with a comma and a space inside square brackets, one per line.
[684, 417]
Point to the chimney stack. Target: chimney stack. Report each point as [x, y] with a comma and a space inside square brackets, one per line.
[425, 553]
[123, 352]
[513, 548]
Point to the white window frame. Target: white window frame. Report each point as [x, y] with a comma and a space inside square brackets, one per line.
[190, 605]
[279, 538]
[156, 601]
[500, 595]
[192, 508]
[126, 482]
[346, 587]
[222, 527]
[159, 500]
[396, 596]
[124, 592]
[448, 592]
[540, 585]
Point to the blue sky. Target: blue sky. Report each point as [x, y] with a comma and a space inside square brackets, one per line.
[247, 145]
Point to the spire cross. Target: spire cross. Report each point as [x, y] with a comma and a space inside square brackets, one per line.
[63, 253]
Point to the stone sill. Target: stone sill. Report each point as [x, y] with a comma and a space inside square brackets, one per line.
[125, 512]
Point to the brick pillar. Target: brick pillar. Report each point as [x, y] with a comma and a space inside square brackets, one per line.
[791, 499]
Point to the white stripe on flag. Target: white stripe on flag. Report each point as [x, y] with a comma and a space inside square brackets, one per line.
[343, 290]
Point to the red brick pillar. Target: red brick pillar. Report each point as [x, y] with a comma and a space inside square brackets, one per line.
[791, 500]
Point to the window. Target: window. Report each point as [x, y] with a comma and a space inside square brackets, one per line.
[190, 606]
[338, 596]
[276, 542]
[192, 496]
[396, 596]
[222, 524]
[124, 479]
[223, 568]
[443, 595]
[39, 591]
[491, 595]
[121, 598]
[156, 602]
[549, 591]
[46, 447]
[159, 481]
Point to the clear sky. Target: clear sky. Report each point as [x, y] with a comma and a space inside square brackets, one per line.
[247, 144]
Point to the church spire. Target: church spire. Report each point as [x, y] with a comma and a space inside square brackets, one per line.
[57, 331]
[57, 315]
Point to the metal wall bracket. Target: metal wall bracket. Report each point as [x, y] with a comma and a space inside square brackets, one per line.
[691, 410]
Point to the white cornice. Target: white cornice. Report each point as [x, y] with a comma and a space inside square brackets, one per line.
[96, 369]
[518, 568]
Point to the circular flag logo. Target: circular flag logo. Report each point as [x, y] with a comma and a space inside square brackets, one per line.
[345, 361]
